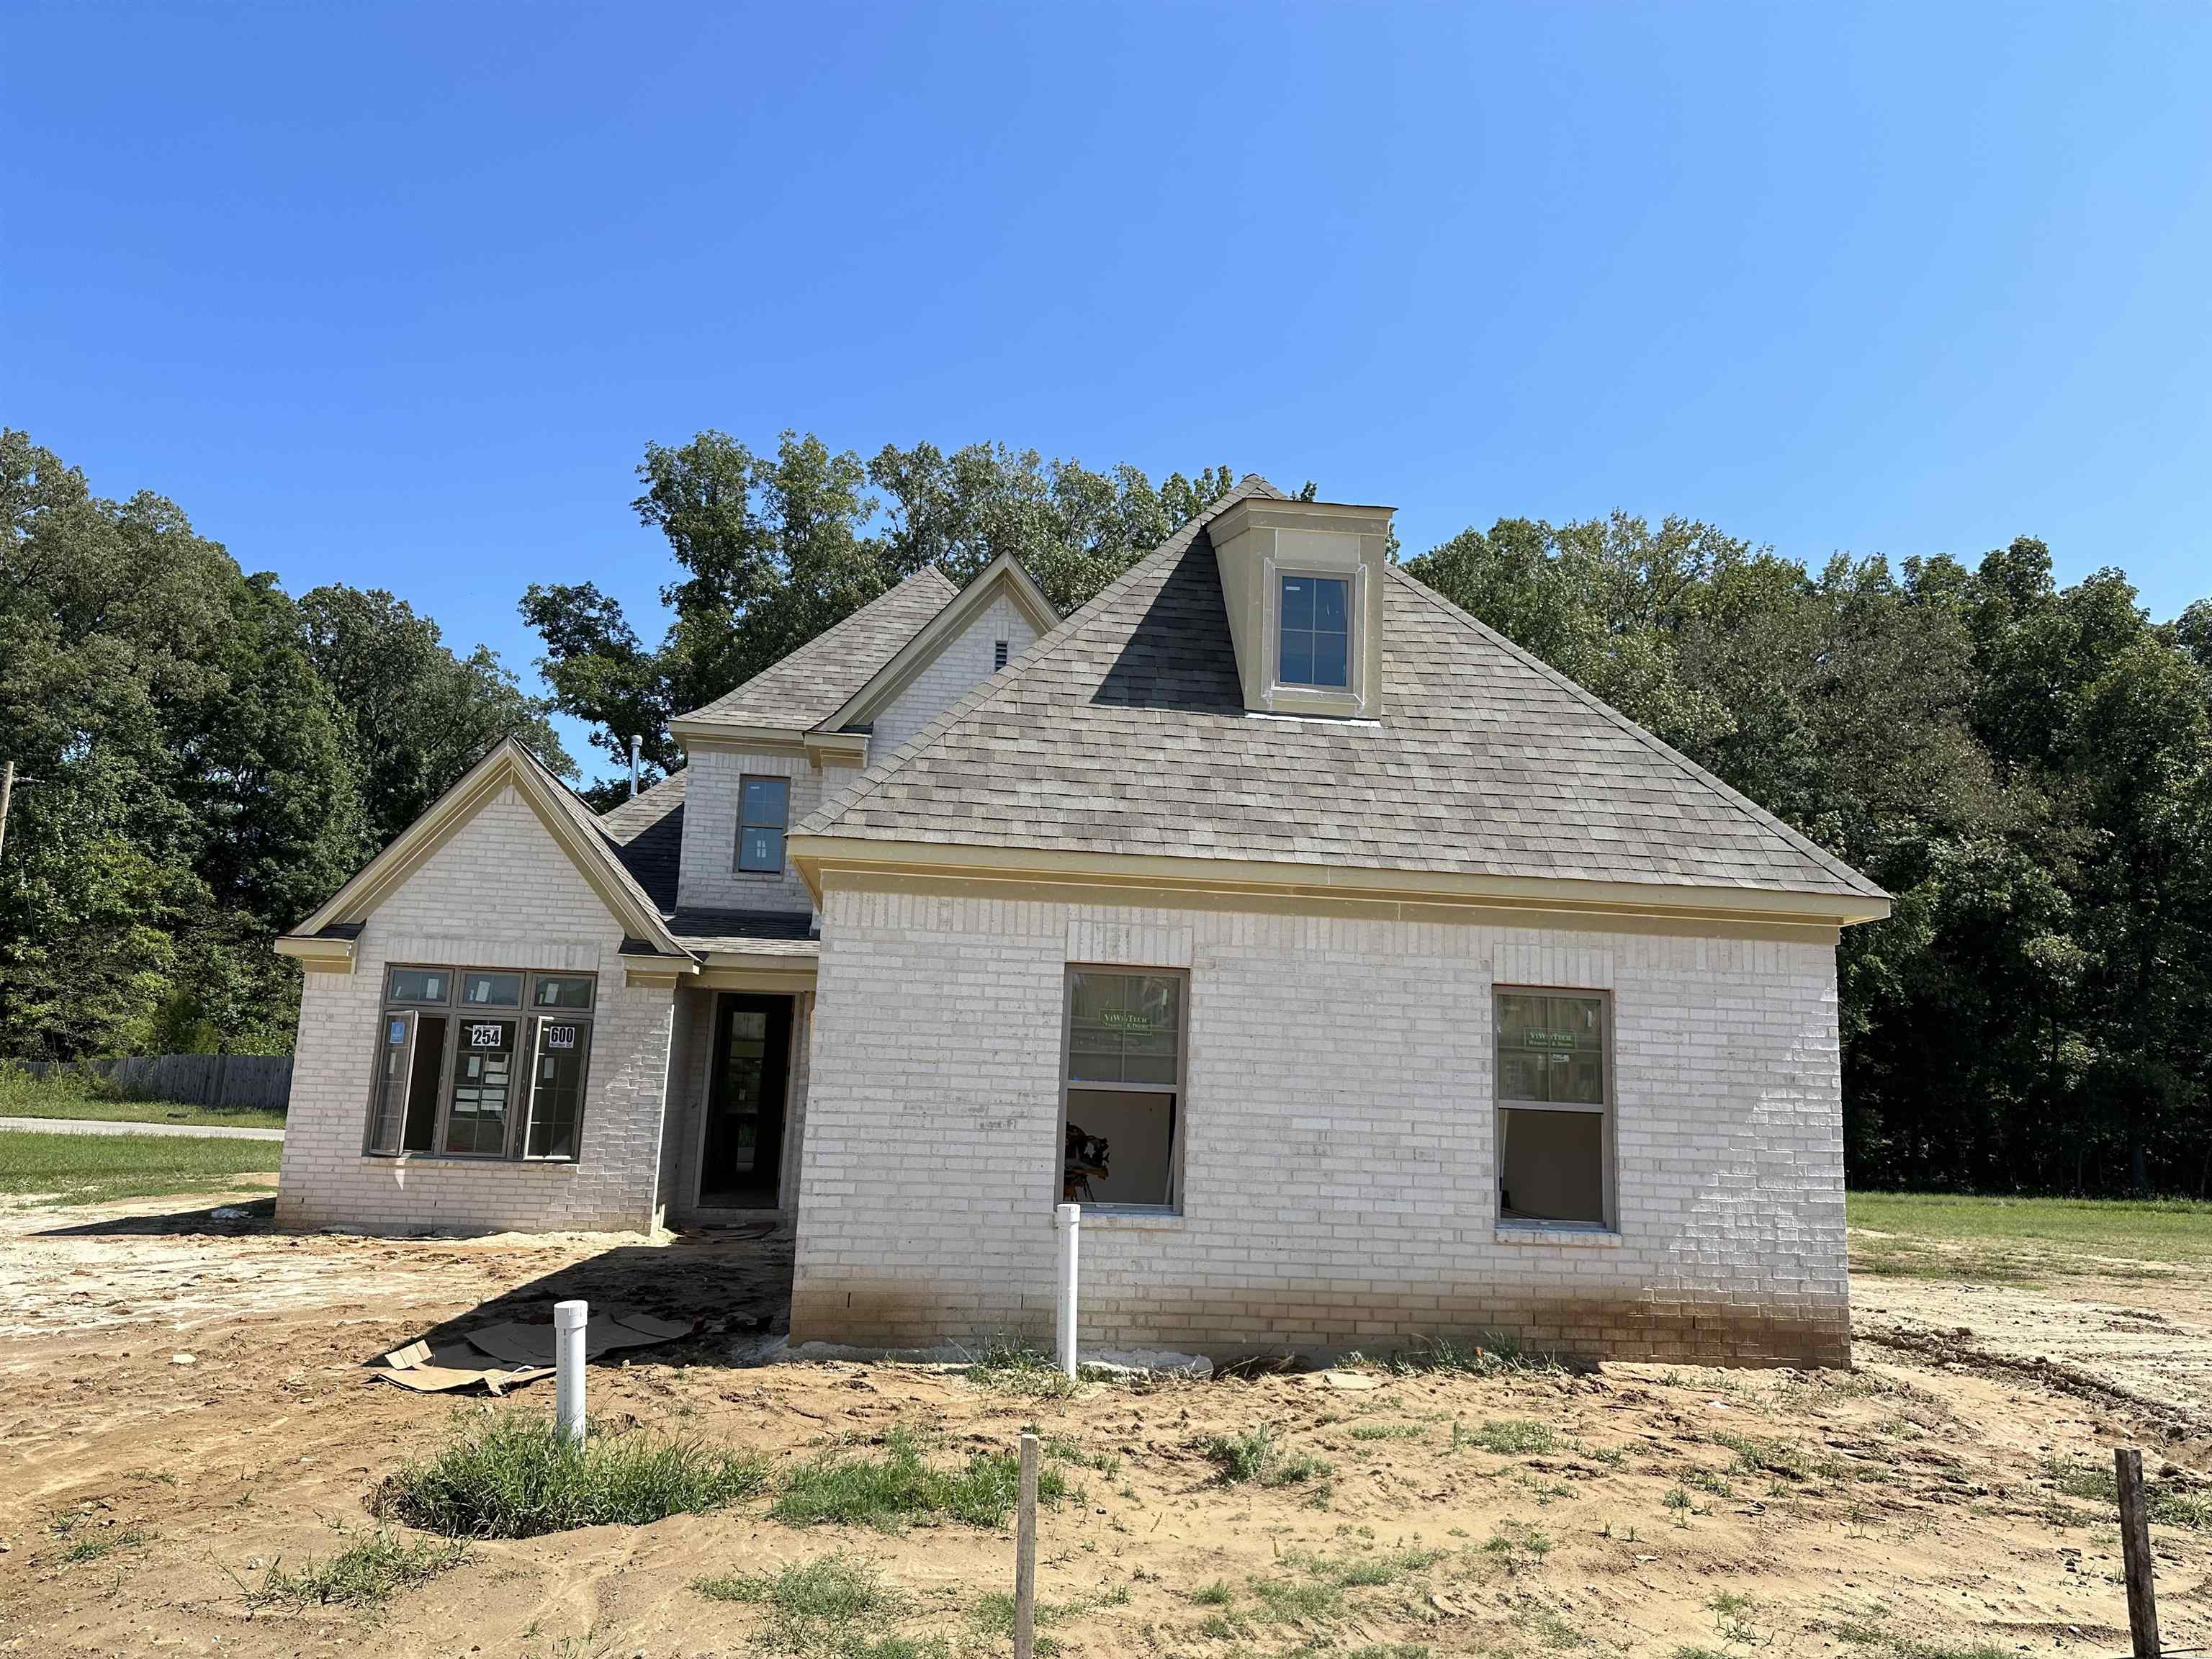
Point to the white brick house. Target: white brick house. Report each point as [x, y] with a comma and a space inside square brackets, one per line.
[1364, 978]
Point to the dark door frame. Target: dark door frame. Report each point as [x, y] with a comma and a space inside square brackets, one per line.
[782, 1013]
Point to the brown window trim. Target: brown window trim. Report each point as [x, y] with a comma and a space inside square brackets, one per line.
[526, 1016]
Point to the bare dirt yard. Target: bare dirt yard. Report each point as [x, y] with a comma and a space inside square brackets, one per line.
[188, 1433]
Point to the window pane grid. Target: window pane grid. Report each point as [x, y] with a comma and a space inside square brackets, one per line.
[764, 811]
[458, 1075]
[1313, 639]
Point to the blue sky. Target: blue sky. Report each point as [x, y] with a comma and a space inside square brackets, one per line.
[396, 296]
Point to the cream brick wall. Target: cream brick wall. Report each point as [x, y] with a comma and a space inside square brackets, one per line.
[964, 663]
[500, 894]
[709, 876]
[1338, 1189]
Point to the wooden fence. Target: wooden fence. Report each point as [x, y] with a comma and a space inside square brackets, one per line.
[263, 1081]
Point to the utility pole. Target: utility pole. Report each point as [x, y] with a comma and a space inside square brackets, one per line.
[6, 792]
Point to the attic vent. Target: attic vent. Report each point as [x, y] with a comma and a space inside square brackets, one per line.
[998, 655]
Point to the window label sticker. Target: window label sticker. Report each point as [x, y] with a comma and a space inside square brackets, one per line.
[487, 1036]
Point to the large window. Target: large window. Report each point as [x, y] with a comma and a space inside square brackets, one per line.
[764, 811]
[1554, 1122]
[482, 1063]
[1314, 642]
[1122, 1130]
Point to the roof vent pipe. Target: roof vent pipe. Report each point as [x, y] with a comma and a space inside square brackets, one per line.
[633, 743]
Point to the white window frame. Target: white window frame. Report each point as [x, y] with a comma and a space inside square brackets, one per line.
[1180, 1088]
[1606, 1109]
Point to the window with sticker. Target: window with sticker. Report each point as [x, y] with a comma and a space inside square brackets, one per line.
[482, 1063]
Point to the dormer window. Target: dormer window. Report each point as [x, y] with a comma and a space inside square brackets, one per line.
[1315, 644]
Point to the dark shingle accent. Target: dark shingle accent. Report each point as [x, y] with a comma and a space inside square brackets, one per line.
[648, 833]
[751, 933]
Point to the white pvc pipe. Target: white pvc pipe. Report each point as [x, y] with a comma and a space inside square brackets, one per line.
[569, 1319]
[1068, 1218]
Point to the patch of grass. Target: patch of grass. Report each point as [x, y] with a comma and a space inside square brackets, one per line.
[1512, 1540]
[1282, 1600]
[1068, 1450]
[93, 1168]
[1366, 1569]
[900, 1486]
[1757, 1455]
[517, 1476]
[364, 1574]
[1389, 1430]
[82, 1095]
[97, 1546]
[2100, 1483]
[1016, 1369]
[1215, 1594]
[1256, 1454]
[1510, 1436]
[2149, 1230]
[1391, 1650]
[1485, 1355]
[835, 1607]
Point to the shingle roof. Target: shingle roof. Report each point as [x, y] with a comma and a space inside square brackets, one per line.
[1124, 731]
[813, 681]
[647, 831]
[751, 933]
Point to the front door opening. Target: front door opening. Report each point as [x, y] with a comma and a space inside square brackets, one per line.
[743, 1162]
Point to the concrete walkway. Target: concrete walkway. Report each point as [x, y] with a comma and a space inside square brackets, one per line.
[85, 1125]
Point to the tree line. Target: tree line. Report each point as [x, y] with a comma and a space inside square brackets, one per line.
[201, 760]
[2027, 767]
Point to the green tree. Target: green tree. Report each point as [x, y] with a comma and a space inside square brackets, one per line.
[415, 716]
[772, 549]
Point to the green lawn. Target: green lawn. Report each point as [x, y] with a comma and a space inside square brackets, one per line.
[22, 1094]
[88, 1169]
[1943, 1236]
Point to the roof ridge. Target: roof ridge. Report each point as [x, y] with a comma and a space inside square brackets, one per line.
[1827, 861]
[1071, 628]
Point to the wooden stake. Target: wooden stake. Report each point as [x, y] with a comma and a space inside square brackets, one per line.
[1025, 1555]
[2134, 1550]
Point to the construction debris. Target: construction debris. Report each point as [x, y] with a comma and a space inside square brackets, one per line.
[505, 1356]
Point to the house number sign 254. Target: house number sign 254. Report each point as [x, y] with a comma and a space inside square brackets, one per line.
[487, 1036]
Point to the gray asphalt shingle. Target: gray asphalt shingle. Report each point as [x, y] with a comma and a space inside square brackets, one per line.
[1124, 731]
[812, 682]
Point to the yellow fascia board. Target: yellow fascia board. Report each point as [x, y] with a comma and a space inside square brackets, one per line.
[318, 956]
[1005, 573]
[733, 970]
[413, 847]
[820, 858]
[754, 739]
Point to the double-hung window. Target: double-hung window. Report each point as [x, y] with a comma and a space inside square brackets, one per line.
[1123, 1088]
[488, 1063]
[764, 811]
[1554, 1106]
[1313, 632]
